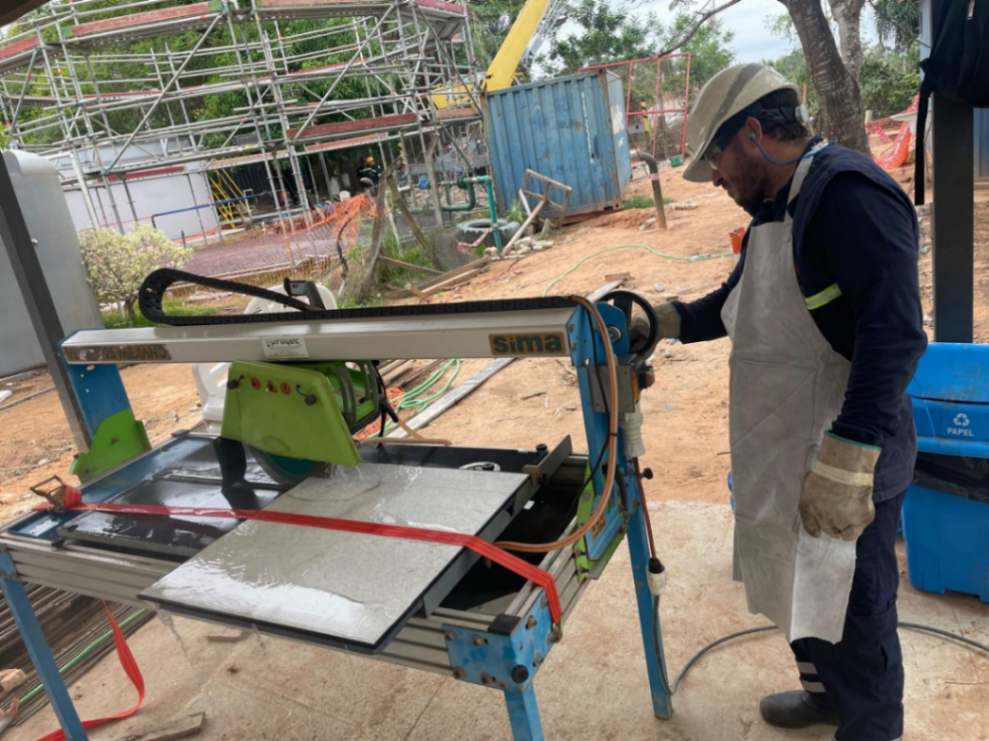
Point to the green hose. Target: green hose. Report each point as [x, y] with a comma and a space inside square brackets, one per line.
[645, 248]
[414, 398]
[83, 653]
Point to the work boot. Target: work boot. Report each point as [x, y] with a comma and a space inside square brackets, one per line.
[798, 709]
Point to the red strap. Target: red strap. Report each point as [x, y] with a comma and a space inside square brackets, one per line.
[129, 664]
[476, 544]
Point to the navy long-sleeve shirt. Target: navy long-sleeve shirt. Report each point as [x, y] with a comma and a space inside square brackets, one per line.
[855, 228]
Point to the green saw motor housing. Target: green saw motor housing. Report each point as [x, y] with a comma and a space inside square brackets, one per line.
[302, 411]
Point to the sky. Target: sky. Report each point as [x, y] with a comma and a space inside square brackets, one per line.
[750, 20]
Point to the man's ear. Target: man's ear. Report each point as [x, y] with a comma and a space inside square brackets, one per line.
[753, 133]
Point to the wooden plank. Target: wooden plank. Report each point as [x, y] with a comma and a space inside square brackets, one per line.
[409, 265]
[452, 282]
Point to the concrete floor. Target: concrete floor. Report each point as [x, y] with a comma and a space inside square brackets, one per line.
[593, 686]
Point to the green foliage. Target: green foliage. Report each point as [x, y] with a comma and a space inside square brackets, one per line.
[608, 32]
[889, 79]
[116, 264]
[490, 21]
[897, 23]
[515, 213]
[113, 319]
[396, 275]
[710, 48]
[637, 202]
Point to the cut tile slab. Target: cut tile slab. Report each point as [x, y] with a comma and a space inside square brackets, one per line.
[334, 586]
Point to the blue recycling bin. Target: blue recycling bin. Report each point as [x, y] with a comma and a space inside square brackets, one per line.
[946, 510]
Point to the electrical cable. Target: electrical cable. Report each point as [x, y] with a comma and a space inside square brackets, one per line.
[915, 627]
[612, 445]
[779, 163]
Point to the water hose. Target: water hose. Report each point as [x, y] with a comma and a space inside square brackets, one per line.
[642, 247]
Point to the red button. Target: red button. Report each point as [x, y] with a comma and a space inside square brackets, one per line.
[255, 383]
[286, 389]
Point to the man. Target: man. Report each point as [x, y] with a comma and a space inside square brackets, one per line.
[370, 173]
[823, 310]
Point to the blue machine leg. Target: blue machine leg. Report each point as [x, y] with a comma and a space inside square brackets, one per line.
[38, 650]
[652, 637]
[523, 711]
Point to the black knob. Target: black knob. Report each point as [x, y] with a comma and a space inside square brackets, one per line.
[233, 383]
[310, 399]
[519, 674]
[542, 448]
[647, 473]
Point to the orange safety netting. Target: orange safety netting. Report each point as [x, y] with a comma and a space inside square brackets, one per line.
[898, 151]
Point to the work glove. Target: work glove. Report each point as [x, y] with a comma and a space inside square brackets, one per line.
[669, 326]
[837, 493]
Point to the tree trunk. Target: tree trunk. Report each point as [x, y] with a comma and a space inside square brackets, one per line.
[848, 14]
[841, 116]
[129, 312]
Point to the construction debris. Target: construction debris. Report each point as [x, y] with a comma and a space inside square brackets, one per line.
[521, 247]
[189, 725]
[11, 679]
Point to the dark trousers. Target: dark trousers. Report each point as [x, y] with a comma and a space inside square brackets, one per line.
[862, 675]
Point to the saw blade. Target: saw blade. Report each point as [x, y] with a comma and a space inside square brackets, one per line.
[283, 469]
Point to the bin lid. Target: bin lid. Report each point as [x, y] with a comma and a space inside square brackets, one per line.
[953, 371]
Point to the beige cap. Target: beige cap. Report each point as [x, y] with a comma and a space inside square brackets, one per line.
[727, 93]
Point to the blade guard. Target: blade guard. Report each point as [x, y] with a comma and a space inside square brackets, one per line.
[288, 411]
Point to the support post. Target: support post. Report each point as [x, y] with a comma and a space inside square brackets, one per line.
[38, 649]
[652, 637]
[587, 356]
[954, 181]
[523, 712]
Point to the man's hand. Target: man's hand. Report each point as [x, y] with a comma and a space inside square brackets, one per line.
[837, 494]
[669, 326]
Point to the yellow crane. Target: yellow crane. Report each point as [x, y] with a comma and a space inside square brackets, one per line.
[524, 31]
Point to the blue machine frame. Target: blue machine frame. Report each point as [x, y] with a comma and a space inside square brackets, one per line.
[507, 655]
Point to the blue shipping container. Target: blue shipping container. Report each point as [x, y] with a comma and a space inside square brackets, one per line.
[570, 129]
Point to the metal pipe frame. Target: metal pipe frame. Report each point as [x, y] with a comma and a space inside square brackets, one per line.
[401, 50]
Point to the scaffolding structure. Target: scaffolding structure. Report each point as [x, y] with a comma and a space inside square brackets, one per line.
[118, 91]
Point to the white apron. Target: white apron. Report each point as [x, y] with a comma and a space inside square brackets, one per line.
[787, 387]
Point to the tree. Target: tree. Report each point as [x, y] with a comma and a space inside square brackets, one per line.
[116, 264]
[848, 15]
[490, 21]
[897, 23]
[608, 32]
[890, 79]
[709, 47]
[841, 116]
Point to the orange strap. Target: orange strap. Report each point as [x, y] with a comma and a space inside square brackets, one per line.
[129, 663]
